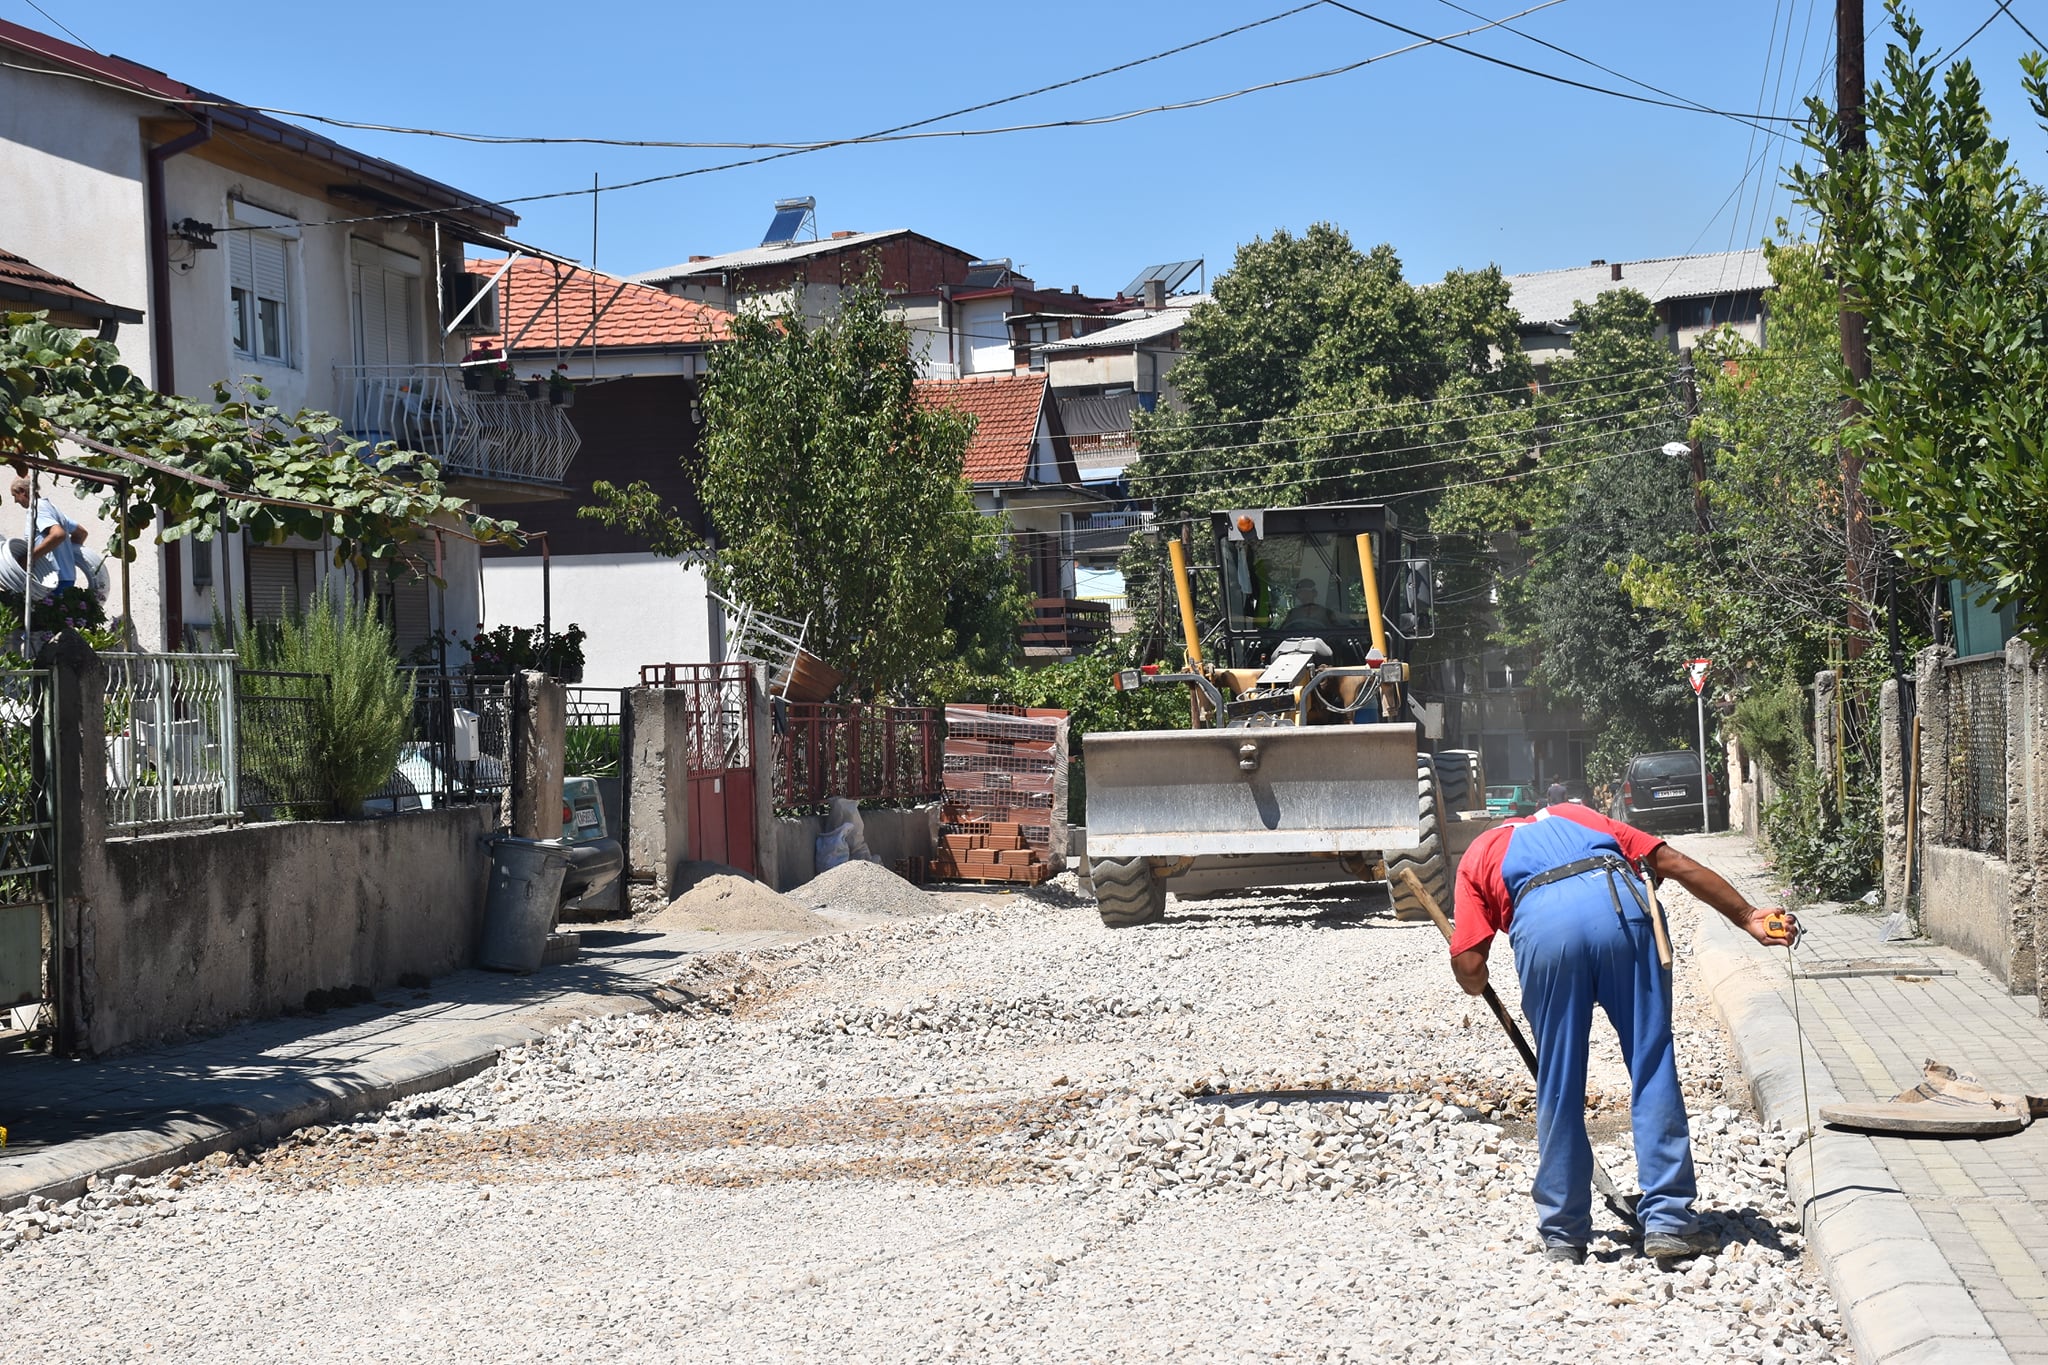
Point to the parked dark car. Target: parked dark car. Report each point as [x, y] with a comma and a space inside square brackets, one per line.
[1661, 793]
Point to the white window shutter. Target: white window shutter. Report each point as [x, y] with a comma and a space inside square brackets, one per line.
[398, 309]
[371, 336]
[241, 271]
[268, 265]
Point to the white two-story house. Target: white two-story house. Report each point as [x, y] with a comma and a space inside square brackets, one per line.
[259, 252]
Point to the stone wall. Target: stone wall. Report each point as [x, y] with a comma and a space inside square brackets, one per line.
[1990, 901]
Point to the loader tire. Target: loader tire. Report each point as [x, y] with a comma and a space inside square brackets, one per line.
[1432, 868]
[1462, 775]
[1126, 892]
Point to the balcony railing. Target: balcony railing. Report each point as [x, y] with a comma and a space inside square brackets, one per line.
[473, 433]
[1065, 625]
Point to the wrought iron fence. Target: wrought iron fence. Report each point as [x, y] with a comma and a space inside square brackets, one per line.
[276, 739]
[170, 739]
[868, 753]
[460, 752]
[1975, 762]
[594, 743]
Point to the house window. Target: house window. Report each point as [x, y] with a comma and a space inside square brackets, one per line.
[259, 254]
[281, 581]
[384, 291]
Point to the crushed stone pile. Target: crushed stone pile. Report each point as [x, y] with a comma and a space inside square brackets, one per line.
[864, 892]
[730, 903]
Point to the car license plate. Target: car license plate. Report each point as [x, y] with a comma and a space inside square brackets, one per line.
[1666, 793]
[585, 818]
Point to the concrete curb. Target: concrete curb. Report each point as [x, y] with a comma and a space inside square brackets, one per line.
[62, 1172]
[1901, 1300]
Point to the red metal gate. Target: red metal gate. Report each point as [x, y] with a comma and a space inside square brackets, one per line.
[720, 758]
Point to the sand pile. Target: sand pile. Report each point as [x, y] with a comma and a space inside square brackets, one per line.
[864, 892]
[726, 902]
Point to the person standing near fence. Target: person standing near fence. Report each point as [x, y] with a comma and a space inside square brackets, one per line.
[51, 535]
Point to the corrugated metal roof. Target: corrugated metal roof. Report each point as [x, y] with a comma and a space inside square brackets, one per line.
[1549, 295]
[25, 281]
[1141, 328]
[764, 255]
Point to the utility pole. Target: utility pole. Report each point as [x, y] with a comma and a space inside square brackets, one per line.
[1855, 331]
[1690, 378]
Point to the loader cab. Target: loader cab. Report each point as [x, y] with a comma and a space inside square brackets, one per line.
[1294, 571]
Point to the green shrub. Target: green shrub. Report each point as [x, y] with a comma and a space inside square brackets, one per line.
[1771, 723]
[362, 717]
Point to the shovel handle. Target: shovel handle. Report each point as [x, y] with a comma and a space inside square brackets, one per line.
[1657, 920]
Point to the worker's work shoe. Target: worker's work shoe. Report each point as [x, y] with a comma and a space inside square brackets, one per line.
[1679, 1246]
[1569, 1252]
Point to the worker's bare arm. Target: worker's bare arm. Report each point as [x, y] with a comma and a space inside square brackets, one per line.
[1711, 887]
[1470, 969]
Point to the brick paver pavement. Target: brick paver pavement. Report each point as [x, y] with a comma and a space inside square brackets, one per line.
[1872, 1013]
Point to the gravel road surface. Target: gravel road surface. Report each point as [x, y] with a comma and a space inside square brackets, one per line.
[996, 1132]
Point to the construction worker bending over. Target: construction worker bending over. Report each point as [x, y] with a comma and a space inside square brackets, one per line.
[1564, 886]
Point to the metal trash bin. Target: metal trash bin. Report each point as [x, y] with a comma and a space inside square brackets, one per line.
[519, 910]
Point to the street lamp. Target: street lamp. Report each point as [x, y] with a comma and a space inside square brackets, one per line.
[1677, 449]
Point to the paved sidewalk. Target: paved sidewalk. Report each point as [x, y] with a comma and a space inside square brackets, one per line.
[148, 1111]
[1936, 1249]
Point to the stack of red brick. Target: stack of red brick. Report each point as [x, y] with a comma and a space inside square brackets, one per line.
[1006, 794]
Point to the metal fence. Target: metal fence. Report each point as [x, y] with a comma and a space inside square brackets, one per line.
[276, 745]
[868, 753]
[170, 739]
[460, 751]
[594, 744]
[1974, 766]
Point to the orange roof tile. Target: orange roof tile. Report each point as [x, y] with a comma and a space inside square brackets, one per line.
[1006, 407]
[626, 314]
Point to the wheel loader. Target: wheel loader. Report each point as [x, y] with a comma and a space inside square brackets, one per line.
[1303, 762]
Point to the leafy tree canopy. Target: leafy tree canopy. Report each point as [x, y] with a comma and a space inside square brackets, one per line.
[837, 497]
[1938, 241]
[367, 499]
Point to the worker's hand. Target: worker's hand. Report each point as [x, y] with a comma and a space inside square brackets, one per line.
[1772, 927]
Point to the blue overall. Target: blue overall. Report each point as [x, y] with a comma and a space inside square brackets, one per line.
[1574, 949]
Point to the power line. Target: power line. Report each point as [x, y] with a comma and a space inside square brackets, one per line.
[67, 28]
[2005, 8]
[779, 149]
[1588, 61]
[814, 144]
[1687, 107]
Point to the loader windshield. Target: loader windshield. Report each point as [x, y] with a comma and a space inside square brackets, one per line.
[1302, 584]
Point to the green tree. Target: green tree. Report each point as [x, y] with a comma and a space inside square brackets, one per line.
[836, 496]
[369, 500]
[1937, 240]
[1590, 492]
[1318, 373]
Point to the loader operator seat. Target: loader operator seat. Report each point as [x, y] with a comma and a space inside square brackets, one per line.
[1307, 611]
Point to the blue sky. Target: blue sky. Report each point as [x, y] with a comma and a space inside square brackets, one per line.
[1455, 162]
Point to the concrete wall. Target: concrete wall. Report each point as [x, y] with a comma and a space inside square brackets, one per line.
[1965, 904]
[635, 609]
[789, 844]
[191, 932]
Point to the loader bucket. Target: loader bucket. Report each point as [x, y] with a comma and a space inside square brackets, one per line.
[1197, 793]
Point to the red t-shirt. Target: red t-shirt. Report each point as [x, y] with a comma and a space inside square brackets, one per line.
[1483, 904]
